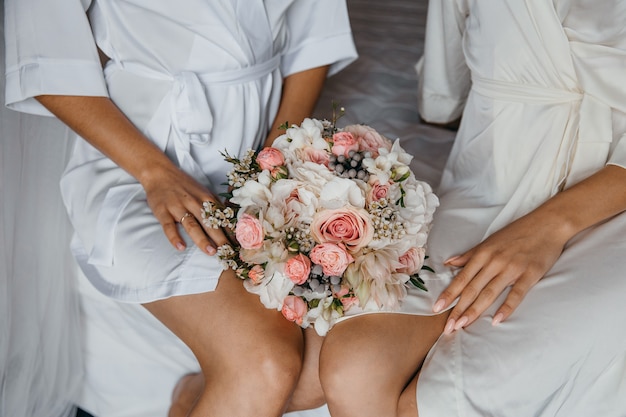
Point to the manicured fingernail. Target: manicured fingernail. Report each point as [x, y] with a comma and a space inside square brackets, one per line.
[439, 306]
[449, 327]
[180, 246]
[454, 258]
[210, 250]
[461, 323]
[497, 319]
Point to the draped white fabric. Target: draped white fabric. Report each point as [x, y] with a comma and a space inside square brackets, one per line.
[542, 90]
[40, 350]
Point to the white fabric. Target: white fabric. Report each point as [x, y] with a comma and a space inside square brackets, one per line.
[192, 107]
[40, 346]
[543, 92]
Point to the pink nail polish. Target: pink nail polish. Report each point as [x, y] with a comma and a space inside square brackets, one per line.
[180, 246]
[439, 306]
[497, 319]
[452, 259]
[461, 323]
[210, 250]
[449, 327]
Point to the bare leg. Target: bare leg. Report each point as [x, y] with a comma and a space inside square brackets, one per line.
[368, 362]
[250, 356]
[307, 395]
[186, 394]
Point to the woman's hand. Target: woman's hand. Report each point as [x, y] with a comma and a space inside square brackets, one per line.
[520, 254]
[171, 193]
[175, 197]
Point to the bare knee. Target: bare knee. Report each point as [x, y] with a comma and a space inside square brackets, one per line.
[276, 372]
[345, 377]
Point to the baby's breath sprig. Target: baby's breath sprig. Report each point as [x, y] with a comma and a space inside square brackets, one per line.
[228, 257]
[385, 221]
[215, 217]
[338, 113]
[299, 239]
[244, 169]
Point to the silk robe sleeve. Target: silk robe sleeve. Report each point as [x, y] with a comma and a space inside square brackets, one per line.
[599, 57]
[49, 50]
[319, 34]
[444, 79]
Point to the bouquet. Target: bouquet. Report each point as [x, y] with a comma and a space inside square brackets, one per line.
[325, 220]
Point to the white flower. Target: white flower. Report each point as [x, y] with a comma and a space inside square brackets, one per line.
[419, 205]
[253, 193]
[294, 201]
[272, 290]
[340, 192]
[323, 316]
[309, 133]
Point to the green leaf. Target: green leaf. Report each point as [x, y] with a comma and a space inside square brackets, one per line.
[418, 282]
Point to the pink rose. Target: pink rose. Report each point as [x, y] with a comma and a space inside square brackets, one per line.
[294, 309]
[412, 261]
[378, 191]
[256, 274]
[298, 269]
[317, 156]
[333, 258]
[348, 225]
[348, 302]
[369, 139]
[270, 158]
[343, 143]
[249, 232]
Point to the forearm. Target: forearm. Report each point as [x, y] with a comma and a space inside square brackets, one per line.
[103, 125]
[593, 200]
[299, 97]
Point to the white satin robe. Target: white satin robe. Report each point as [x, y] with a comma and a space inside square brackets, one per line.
[197, 77]
[541, 87]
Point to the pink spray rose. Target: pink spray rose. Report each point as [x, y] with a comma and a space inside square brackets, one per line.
[298, 269]
[249, 232]
[343, 143]
[318, 156]
[347, 301]
[270, 158]
[348, 225]
[294, 309]
[369, 139]
[256, 274]
[333, 258]
[412, 261]
[378, 191]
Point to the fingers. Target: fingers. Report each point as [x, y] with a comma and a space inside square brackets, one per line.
[478, 285]
[459, 283]
[189, 219]
[197, 233]
[205, 237]
[482, 292]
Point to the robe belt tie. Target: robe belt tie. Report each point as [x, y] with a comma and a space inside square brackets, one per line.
[581, 153]
[186, 108]
[186, 113]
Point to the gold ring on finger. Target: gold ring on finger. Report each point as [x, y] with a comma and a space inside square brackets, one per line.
[182, 219]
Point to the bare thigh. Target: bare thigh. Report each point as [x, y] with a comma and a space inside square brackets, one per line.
[240, 346]
[367, 362]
